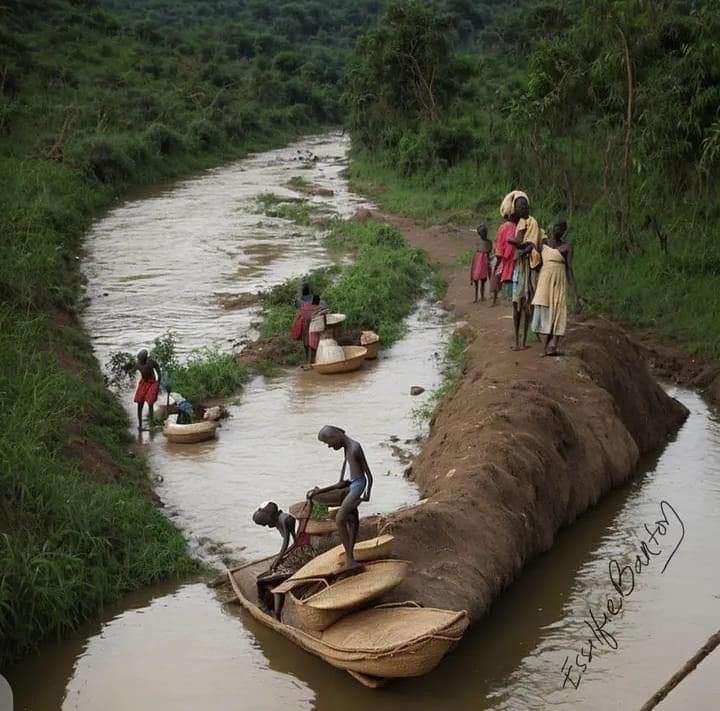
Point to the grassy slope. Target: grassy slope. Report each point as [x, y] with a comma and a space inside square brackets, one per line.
[87, 109]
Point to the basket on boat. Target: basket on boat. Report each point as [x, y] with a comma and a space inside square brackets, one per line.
[373, 549]
[190, 434]
[392, 641]
[333, 561]
[353, 357]
[314, 608]
[371, 341]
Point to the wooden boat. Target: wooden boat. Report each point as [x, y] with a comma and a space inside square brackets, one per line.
[333, 561]
[189, 434]
[374, 645]
[354, 357]
[316, 604]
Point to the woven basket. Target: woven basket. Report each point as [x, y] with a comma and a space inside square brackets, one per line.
[373, 549]
[189, 434]
[318, 610]
[353, 357]
[393, 642]
[353, 592]
[333, 561]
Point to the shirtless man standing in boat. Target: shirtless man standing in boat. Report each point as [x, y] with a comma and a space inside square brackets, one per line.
[360, 486]
[148, 388]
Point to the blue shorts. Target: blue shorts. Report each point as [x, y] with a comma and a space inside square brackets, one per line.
[357, 486]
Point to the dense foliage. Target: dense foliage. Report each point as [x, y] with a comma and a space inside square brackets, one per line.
[606, 111]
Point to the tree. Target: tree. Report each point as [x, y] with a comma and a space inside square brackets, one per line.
[404, 71]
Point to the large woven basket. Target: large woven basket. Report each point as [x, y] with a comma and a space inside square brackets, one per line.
[333, 561]
[394, 641]
[353, 360]
[189, 434]
[315, 611]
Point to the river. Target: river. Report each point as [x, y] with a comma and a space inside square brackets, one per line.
[164, 260]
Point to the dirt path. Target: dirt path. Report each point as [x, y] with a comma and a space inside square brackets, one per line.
[523, 445]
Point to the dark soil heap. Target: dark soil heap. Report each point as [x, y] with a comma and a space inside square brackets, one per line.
[521, 448]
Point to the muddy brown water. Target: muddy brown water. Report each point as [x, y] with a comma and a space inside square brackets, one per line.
[177, 647]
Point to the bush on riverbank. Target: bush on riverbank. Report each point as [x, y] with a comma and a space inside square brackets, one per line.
[376, 291]
[379, 289]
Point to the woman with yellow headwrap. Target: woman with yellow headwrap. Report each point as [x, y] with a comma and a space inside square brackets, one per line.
[528, 237]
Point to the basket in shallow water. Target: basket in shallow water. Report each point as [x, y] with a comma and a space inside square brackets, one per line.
[371, 341]
[315, 610]
[190, 434]
[352, 360]
[328, 351]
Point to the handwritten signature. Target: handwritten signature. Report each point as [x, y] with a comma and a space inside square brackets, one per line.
[623, 580]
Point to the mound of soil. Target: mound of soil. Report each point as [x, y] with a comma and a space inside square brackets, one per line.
[277, 350]
[521, 448]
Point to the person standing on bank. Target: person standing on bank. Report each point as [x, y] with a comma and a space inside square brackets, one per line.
[528, 237]
[550, 300]
[347, 519]
[480, 269]
[148, 388]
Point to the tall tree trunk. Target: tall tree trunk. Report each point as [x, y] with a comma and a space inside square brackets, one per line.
[627, 187]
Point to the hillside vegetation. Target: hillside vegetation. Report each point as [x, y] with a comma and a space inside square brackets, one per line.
[606, 112]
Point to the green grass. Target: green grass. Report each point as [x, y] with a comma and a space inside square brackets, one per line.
[297, 210]
[208, 373]
[68, 543]
[298, 182]
[379, 289]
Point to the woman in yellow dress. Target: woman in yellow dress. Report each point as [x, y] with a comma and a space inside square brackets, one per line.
[550, 299]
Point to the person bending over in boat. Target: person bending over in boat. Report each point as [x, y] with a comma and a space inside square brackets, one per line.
[148, 388]
[270, 515]
[361, 481]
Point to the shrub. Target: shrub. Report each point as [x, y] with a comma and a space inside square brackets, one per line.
[103, 158]
[204, 134]
[164, 140]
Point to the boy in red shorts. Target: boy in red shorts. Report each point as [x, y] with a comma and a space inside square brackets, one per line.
[148, 388]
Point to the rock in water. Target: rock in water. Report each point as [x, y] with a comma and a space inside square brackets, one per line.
[416, 390]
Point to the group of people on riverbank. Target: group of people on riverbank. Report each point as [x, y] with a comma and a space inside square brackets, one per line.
[529, 268]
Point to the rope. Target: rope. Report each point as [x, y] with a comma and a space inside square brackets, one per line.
[681, 673]
[407, 603]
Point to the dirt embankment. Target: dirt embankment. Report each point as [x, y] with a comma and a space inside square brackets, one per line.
[522, 447]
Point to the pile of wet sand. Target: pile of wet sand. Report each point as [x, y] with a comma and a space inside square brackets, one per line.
[521, 448]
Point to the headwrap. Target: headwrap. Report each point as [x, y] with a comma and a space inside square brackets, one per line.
[508, 204]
